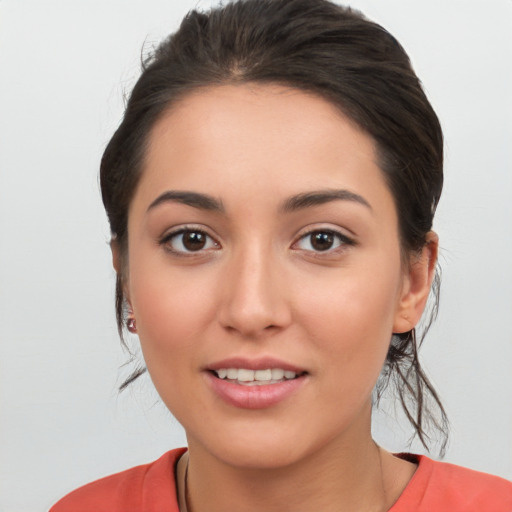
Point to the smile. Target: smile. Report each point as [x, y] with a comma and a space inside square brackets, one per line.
[246, 388]
[249, 377]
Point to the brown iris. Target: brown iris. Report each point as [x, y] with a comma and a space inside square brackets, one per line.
[322, 240]
[194, 240]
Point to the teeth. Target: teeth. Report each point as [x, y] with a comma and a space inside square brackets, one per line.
[268, 376]
[277, 373]
[231, 373]
[245, 375]
[263, 375]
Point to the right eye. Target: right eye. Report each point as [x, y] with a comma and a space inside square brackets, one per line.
[323, 241]
[189, 240]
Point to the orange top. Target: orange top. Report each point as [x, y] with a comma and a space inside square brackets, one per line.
[435, 487]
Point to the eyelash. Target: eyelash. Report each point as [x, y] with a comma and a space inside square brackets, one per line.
[167, 239]
[343, 241]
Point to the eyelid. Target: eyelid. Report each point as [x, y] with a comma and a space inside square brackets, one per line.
[178, 230]
[345, 240]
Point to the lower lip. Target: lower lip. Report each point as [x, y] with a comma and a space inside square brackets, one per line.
[254, 397]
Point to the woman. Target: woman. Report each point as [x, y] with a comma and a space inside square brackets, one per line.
[271, 192]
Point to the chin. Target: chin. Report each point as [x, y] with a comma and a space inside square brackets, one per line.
[260, 448]
[260, 456]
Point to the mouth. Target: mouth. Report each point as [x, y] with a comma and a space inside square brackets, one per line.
[248, 377]
[255, 384]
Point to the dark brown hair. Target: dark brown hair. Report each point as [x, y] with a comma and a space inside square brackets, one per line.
[336, 53]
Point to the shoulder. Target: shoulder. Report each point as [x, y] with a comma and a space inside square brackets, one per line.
[446, 487]
[149, 487]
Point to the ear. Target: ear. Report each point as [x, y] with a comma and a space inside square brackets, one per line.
[118, 266]
[116, 255]
[416, 285]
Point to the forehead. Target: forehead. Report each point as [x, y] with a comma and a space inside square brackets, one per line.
[267, 137]
[252, 114]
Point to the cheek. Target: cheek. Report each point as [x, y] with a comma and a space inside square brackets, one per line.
[172, 313]
[170, 307]
[351, 301]
[351, 320]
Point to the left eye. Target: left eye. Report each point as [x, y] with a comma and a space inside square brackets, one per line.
[189, 240]
[321, 241]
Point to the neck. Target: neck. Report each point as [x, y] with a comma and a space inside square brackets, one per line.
[341, 476]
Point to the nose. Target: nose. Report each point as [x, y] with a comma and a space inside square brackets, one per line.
[254, 294]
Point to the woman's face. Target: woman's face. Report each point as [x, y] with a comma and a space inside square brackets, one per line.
[263, 244]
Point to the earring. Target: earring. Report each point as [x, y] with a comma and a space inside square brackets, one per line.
[131, 325]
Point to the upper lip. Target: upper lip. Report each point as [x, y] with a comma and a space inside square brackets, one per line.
[261, 363]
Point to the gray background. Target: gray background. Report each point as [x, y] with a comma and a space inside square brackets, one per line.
[63, 69]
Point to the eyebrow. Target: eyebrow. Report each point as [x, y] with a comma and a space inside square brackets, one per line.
[292, 204]
[194, 199]
[319, 197]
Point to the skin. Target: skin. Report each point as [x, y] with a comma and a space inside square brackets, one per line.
[259, 288]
